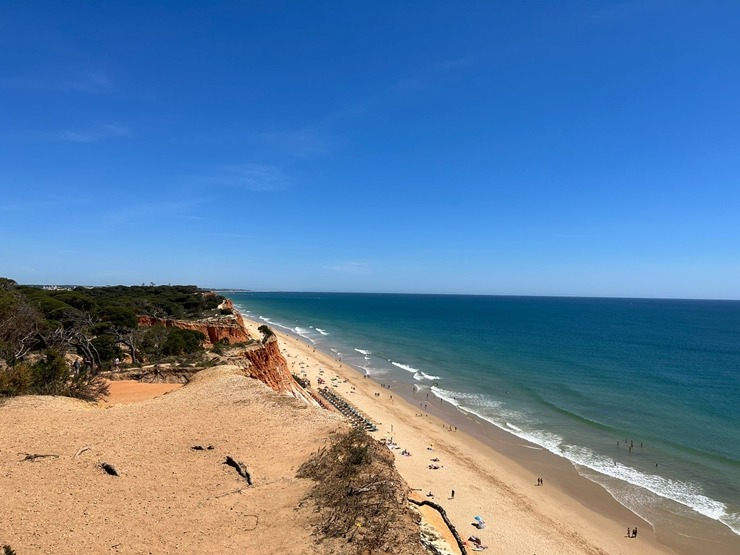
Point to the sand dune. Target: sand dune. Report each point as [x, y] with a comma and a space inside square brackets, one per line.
[168, 498]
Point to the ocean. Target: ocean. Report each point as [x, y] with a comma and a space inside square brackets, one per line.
[641, 395]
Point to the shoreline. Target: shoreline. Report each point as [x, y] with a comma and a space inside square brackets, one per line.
[570, 505]
[521, 517]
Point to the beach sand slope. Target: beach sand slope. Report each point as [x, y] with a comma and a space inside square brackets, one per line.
[168, 498]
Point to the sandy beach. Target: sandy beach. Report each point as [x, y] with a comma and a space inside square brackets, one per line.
[519, 515]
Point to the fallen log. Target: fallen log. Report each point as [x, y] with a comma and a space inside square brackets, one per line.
[241, 469]
[443, 514]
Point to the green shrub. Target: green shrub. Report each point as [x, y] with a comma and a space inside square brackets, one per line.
[107, 348]
[266, 332]
[16, 380]
[50, 374]
[182, 342]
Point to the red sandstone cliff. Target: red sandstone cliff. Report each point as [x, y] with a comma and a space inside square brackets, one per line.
[215, 329]
[263, 359]
[267, 364]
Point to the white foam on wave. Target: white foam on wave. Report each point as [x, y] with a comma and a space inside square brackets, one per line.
[685, 493]
[322, 332]
[277, 324]
[449, 396]
[303, 332]
[363, 351]
[405, 367]
[420, 376]
[373, 371]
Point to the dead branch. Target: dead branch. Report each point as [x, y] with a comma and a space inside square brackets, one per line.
[241, 469]
[232, 492]
[82, 450]
[370, 486]
[443, 514]
[256, 522]
[34, 456]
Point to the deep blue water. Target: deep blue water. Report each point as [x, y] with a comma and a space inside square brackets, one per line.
[572, 375]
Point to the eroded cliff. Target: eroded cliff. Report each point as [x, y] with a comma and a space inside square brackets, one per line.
[218, 328]
[261, 360]
[267, 364]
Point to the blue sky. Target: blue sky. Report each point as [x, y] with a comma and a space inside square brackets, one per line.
[547, 148]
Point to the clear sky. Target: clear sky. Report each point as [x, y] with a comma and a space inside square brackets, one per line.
[503, 147]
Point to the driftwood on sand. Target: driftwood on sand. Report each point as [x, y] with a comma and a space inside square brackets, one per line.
[34, 456]
[443, 514]
[241, 469]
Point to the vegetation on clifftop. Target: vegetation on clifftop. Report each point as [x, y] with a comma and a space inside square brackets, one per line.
[360, 499]
[42, 333]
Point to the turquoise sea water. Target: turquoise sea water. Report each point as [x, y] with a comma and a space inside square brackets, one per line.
[574, 376]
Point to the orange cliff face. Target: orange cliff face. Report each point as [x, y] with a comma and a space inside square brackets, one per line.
[215, 329]
[264, 361]
[228, 305]
[267, 364]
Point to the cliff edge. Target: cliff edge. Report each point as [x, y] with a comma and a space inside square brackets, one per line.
[261, 360]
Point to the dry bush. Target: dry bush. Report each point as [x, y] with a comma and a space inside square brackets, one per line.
[50, 375]
[360, 498]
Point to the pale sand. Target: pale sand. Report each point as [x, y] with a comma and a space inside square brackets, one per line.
[168, 498]
[131, 391]
[520, 517]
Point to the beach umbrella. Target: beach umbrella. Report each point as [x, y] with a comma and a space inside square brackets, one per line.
[479, 519]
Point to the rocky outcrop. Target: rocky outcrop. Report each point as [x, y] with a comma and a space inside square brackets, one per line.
[230, 327]
[267, 364]
[228, 305]
[262, 360]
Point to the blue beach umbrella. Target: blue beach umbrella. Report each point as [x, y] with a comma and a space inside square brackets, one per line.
[479, 519]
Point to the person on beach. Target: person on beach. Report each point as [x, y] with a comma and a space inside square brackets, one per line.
[634, 532]
[453, 494]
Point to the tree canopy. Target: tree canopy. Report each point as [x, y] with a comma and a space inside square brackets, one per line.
[96, 324]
